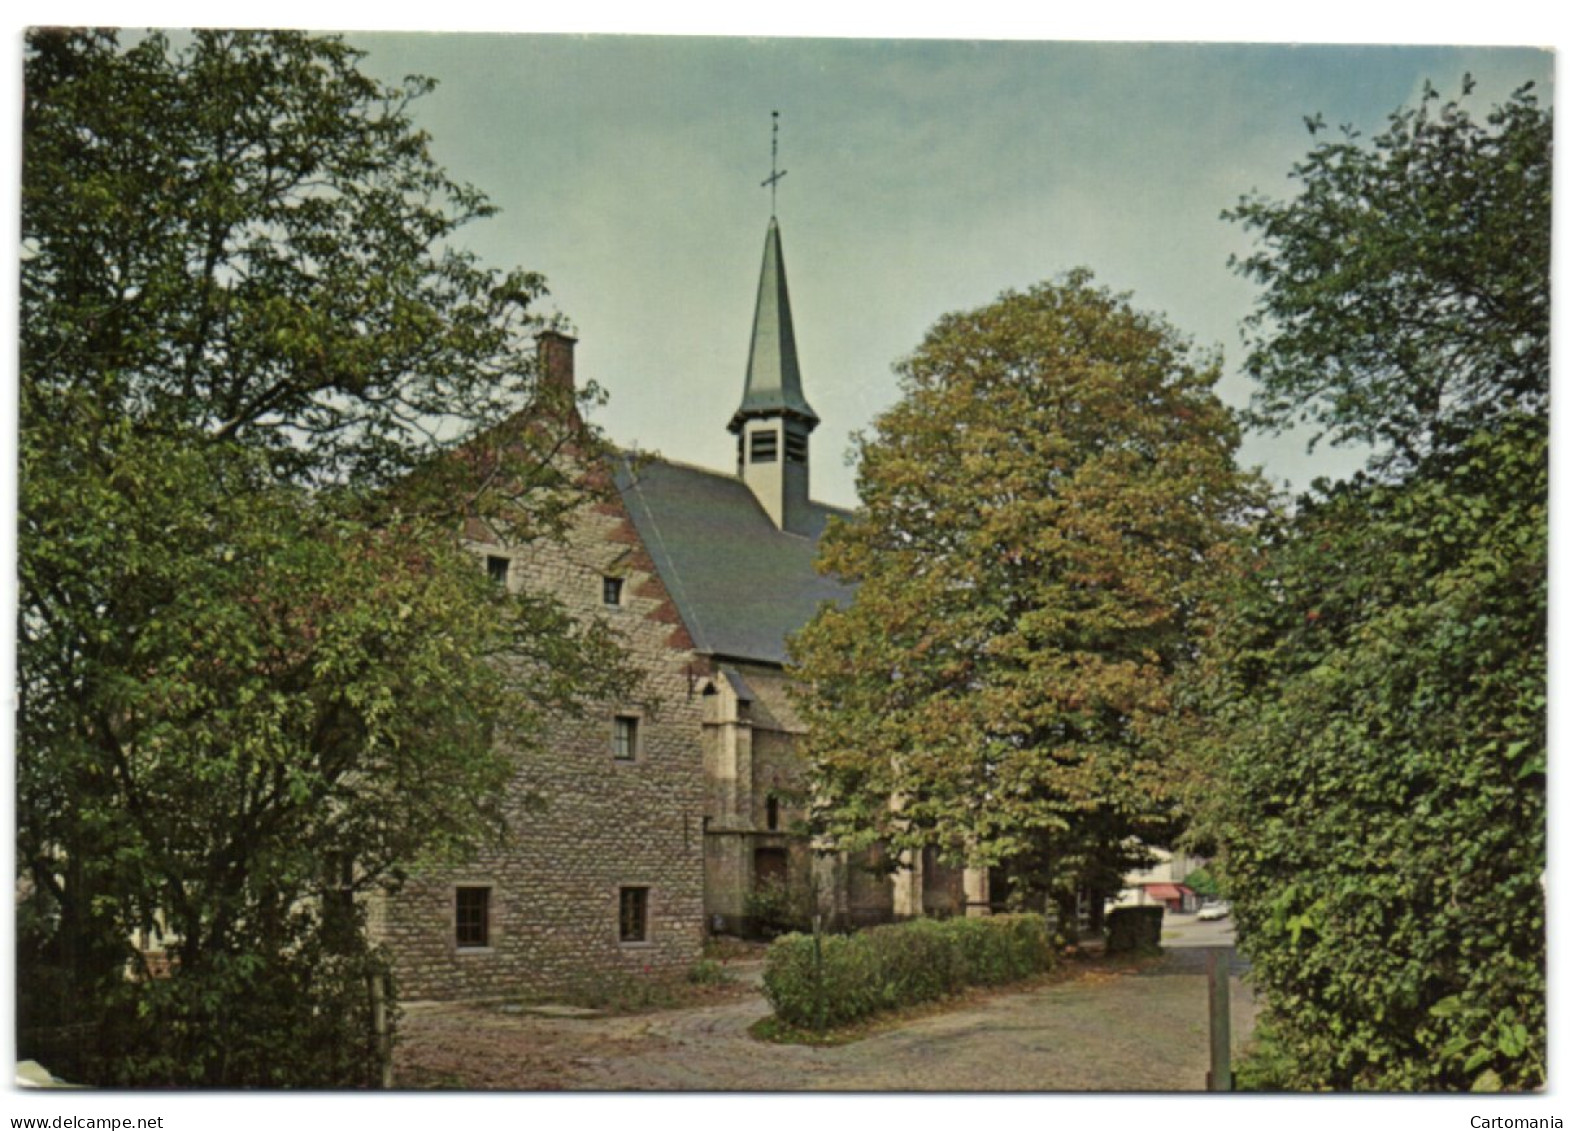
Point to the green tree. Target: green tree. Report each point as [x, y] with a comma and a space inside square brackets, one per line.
[1039, 512]
[246, 238]
[261, 401]
[1371, 711]
[1405, 287]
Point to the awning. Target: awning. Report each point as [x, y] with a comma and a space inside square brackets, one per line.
[1167, 891]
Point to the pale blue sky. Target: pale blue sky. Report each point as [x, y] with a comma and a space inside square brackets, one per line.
[923, 176]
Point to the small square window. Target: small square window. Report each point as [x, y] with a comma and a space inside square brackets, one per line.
[497, 569]
[472, 918]
[625, 737]
[633, 915]
[611, 590]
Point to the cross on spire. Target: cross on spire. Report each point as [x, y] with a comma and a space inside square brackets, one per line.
[775, 175]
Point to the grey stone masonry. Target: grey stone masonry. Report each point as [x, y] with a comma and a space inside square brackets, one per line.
[588, 830]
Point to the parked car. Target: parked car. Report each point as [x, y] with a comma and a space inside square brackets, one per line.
[1213, 911]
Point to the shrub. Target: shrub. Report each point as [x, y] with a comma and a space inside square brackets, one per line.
[776, 907]
[1130, 929]
[903, 964]
[298, 1020]
[708, 972]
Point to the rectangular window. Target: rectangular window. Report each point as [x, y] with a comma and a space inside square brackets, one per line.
[625, 737]
[762, 447]
[633, 914]
[611, 590]
[497, 569]
[797, 447]
[472, 918]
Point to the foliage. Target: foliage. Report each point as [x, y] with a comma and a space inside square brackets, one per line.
[836, 979]
[247, 238]
[642, 990]
[1204, 882]
[1266, 1064]
[1128, 929]
[708, 972]
[777, 905]
[1040, 511]
[1379, 714]
[303, 1014]
[1406, 294]
[725, 949]
[254, 676]
[1371, 713]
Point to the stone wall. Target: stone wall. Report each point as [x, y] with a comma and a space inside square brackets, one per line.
[755, 769]
[582, 824]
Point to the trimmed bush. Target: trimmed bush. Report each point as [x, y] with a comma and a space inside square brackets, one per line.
[1130, 929]
[903, 964]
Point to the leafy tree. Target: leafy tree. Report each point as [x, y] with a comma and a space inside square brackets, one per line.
[1405, 298]
[248, 239]
[1040, 510]
[1372, 707]
[1203, 882]
[259, 674]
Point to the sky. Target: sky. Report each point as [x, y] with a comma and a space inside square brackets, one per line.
[923, 177]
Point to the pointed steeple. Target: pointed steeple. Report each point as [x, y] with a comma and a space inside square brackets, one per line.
[774, 421]
[773, 386]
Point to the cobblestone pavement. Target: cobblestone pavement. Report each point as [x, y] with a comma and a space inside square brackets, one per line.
[1113, 1027]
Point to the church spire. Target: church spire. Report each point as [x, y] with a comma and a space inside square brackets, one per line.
[772, 385]
[774, 420]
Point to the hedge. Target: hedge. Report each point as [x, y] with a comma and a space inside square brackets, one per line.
[902, 964]
[1133, 928]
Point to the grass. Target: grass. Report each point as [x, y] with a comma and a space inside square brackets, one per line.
[726, 950]
[705, 983]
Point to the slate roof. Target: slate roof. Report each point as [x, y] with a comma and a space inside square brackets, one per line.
[741, 585]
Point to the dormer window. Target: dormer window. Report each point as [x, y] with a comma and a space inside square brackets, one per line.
[612, 591]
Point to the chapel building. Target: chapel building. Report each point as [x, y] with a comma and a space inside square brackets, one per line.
[637, 832]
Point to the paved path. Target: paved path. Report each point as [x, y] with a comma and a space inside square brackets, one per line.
[1114, 1027]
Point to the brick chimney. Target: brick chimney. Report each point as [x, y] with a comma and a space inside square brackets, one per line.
[555, 357]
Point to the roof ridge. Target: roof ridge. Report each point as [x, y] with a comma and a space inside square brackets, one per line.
[730, 476]
[637, 454]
